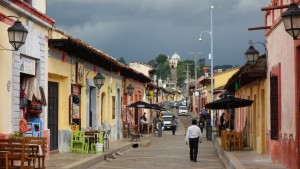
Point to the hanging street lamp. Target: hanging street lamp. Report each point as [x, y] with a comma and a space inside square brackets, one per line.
[17, 34]
[251, 55]
[291, 20]
[99, 80]
[130, 89]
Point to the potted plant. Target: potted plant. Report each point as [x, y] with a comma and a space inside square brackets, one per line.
[16, 135]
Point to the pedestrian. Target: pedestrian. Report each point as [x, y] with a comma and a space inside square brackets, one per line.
[193, 136]
[222, 121]
[144, 117]
[201, 124]
[173, 125]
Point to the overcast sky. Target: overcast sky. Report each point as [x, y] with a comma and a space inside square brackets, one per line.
[140, 30]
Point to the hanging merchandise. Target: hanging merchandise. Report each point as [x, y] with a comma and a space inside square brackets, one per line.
[23, 126]
[31, 88]
[23, 99]
[35, 107]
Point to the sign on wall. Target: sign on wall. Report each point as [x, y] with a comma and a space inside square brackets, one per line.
[27, 66]
[79, 73]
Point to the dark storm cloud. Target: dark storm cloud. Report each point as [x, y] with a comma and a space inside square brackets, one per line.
[139, 30]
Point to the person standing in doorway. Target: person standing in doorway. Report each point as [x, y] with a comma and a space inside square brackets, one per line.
[193, 136]
[173, 124]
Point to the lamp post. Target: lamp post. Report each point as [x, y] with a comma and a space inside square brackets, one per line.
[17, 34]
[211, 54]
[291, 19]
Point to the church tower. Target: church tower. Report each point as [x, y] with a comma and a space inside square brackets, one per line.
[173, 66]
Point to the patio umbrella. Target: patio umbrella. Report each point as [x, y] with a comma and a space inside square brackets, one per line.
[156, 107]
[229, 102]
[140, 104]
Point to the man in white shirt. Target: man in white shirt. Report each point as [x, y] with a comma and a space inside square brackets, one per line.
[193, 136]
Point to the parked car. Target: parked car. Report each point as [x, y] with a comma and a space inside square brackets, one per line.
[167, 112]
[167, 121]
[178, 104]
[182, 110]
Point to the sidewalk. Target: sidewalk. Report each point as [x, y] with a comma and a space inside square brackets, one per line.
[243, 159]
[80, 160]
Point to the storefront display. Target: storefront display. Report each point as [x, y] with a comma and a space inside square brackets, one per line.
[74, 104]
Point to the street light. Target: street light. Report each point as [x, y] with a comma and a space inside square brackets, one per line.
[291, 20]
[252, 54]
[148, 96]
[130, 89]
[17, 34]
[211, 54]
[99, 80]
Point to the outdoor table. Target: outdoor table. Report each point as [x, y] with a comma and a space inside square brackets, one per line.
[231, 140]
[91, 137]
[4, 160]
[34, 151]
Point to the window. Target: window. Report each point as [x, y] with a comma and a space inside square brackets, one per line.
[274, 107]
[113, 107]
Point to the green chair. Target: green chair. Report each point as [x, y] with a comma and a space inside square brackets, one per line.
[77, 141]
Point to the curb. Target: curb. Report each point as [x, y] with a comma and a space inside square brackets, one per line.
[95, 159]
[228, 159]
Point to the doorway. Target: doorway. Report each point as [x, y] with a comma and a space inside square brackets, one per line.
[53, 114]
[92, 107]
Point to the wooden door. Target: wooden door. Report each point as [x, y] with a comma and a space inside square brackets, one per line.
[53, 114]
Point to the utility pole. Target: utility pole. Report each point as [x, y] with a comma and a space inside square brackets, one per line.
[196, 94]
[187, 82]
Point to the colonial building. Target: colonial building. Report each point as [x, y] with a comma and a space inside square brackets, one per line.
[24, 70]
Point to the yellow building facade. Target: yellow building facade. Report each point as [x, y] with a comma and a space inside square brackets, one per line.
[250, 83]
[80, 101]
[29, 62]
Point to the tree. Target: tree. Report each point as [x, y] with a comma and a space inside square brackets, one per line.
[122, 60]
[161, 64]
[201, 64]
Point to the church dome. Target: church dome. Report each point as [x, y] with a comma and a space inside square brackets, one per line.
[175, 57]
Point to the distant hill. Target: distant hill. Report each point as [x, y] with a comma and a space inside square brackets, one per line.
[223, 67]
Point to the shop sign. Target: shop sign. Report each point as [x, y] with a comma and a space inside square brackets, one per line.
[27, 66]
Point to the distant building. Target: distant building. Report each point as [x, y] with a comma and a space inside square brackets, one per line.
[173, 66]
[141, 67]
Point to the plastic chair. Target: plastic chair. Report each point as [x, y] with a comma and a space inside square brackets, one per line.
[96, 138]
[77, 141]
[106, 135]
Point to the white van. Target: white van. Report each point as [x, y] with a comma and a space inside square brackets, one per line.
[182, 110]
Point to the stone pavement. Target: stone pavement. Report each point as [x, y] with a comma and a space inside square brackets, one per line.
[83, 160]
[247, 159]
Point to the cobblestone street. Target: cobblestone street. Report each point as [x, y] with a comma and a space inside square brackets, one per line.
[167, 152]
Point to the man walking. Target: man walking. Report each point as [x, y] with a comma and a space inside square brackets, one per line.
[193, 136]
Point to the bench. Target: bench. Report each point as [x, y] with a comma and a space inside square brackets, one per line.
[41, 142]
[134, 136]
[15, 154]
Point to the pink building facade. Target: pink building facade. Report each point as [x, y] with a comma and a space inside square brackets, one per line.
[283, 66]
